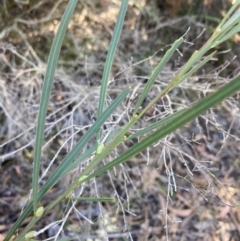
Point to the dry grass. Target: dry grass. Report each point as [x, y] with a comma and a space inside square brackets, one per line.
[183, 188]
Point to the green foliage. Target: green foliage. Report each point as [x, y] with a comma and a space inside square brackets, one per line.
[226, 29]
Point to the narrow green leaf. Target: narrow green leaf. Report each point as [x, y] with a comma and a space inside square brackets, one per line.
[227, 36]
[193, 59]
[67, 162]
[197, 66]
[230, 11]
[156, 72]
[203, 105]
[113, 134]
[47, 86]
[181, 76]
[49, 183]
[94, 199]
[177, 122]
[64, 169]
[234, 19]
[110, 56]
[156, 125]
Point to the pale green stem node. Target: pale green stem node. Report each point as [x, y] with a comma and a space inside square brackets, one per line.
[39, 212]
[81, 179]
[100, 148]
[30, 235]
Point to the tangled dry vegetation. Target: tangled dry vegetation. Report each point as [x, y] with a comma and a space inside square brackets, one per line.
[184, 188]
